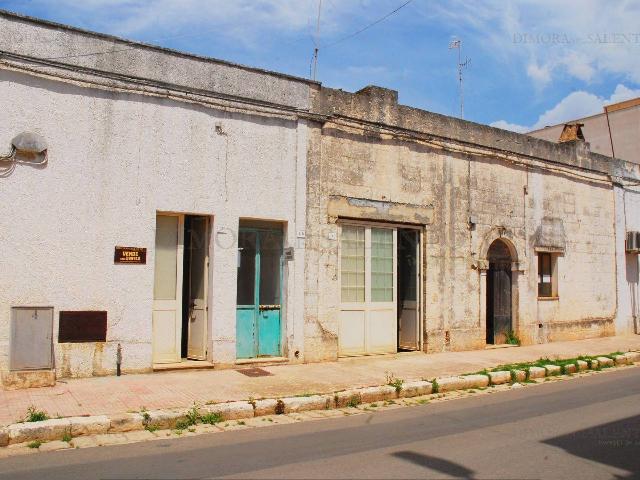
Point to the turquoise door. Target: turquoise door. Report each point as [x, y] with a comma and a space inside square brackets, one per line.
[258, 315]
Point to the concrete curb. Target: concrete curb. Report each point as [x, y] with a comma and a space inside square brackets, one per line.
[55, 429]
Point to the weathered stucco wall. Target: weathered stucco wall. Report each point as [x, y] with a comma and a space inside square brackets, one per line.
[23, 37]
[368, 147]
[114, 160]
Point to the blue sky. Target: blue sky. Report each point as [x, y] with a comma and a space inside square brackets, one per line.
[533, 62]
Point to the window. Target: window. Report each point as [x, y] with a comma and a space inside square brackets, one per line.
[367, 258]
[352, 262]
[547, 275]
[381, 265]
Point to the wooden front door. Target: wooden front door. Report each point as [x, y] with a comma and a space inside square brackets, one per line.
[197, 292]
[499, 290]
[368, 306]
[167, 289]
[499, 304]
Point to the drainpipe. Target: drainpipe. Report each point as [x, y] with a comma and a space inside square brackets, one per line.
[606, 114]
[118, 359]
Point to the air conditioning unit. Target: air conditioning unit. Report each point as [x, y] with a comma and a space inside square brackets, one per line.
[633, 242]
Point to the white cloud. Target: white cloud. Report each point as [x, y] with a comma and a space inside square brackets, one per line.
[541, 74]
[581, 39]
[578, 104]
[249, 22]
[510, 126]
[242, 21]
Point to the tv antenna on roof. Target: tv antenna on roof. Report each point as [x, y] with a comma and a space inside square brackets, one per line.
[457, 43]
[316, 41]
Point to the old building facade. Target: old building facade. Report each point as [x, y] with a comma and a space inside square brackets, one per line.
[172, 156]
[162, 209]
[477, 234]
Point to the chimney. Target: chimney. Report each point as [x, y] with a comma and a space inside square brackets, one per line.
[571, 132]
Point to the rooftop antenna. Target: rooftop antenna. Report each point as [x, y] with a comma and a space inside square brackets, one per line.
[457, 43]
[317, 42]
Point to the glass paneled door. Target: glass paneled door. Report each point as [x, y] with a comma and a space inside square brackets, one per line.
[367, 322]
[259, 309]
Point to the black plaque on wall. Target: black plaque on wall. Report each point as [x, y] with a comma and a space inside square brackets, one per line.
[82, 326]
[132, 255]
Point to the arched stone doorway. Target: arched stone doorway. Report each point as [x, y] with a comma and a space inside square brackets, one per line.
[499, 292]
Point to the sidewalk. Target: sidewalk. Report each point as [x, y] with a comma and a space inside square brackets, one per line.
[112, 395]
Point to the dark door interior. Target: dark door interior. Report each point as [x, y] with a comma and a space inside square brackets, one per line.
[498, 303]
[498, 293]
[407, 286]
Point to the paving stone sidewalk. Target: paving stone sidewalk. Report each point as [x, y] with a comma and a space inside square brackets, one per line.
[112, 395]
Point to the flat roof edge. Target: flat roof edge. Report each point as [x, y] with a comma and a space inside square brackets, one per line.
[138, 44]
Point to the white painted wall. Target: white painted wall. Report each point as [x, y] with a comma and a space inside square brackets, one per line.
[115, 159]
[627, 219]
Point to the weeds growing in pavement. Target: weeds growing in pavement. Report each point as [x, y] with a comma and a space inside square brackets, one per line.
[394, 382]
[35, 415]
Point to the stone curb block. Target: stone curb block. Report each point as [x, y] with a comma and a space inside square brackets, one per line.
[605, 362]
[4, 437]
[594, 364]
[632, 357]
[125, 422]
[569, 368]
[164, 419]
[498, 378]
[449, 384]
[46, 430]
[89, 425]
[620, 359]
[377, 394]
[552, 370]
[231, 410]
[303, 404]
[343, 399]
[521, 375]
[537, 372]
[264, 407]
[582, 365]
[416, 389]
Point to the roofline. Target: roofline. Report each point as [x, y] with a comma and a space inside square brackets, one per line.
[614, 107]
[149, 46]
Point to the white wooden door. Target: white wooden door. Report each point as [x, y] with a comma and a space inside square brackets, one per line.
[167, 289]
[408, 289]
[367, 319]
[198, 251]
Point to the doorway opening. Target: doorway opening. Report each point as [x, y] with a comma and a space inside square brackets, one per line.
[380, 307]
[259, 290]
[499, 294]
[408, 286]
[180, 312]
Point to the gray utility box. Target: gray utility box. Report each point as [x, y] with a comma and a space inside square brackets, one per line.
[31, 338]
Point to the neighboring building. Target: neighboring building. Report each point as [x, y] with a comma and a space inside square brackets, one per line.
[615, 132]
[167, 207]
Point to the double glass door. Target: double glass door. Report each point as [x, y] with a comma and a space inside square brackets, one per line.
[259, 309]
[368, 320]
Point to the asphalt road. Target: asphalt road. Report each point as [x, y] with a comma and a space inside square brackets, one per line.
[582, 428]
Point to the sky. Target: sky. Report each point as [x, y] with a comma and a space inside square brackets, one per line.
[532, 63]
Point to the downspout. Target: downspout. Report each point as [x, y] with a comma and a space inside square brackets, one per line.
[606, 113]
